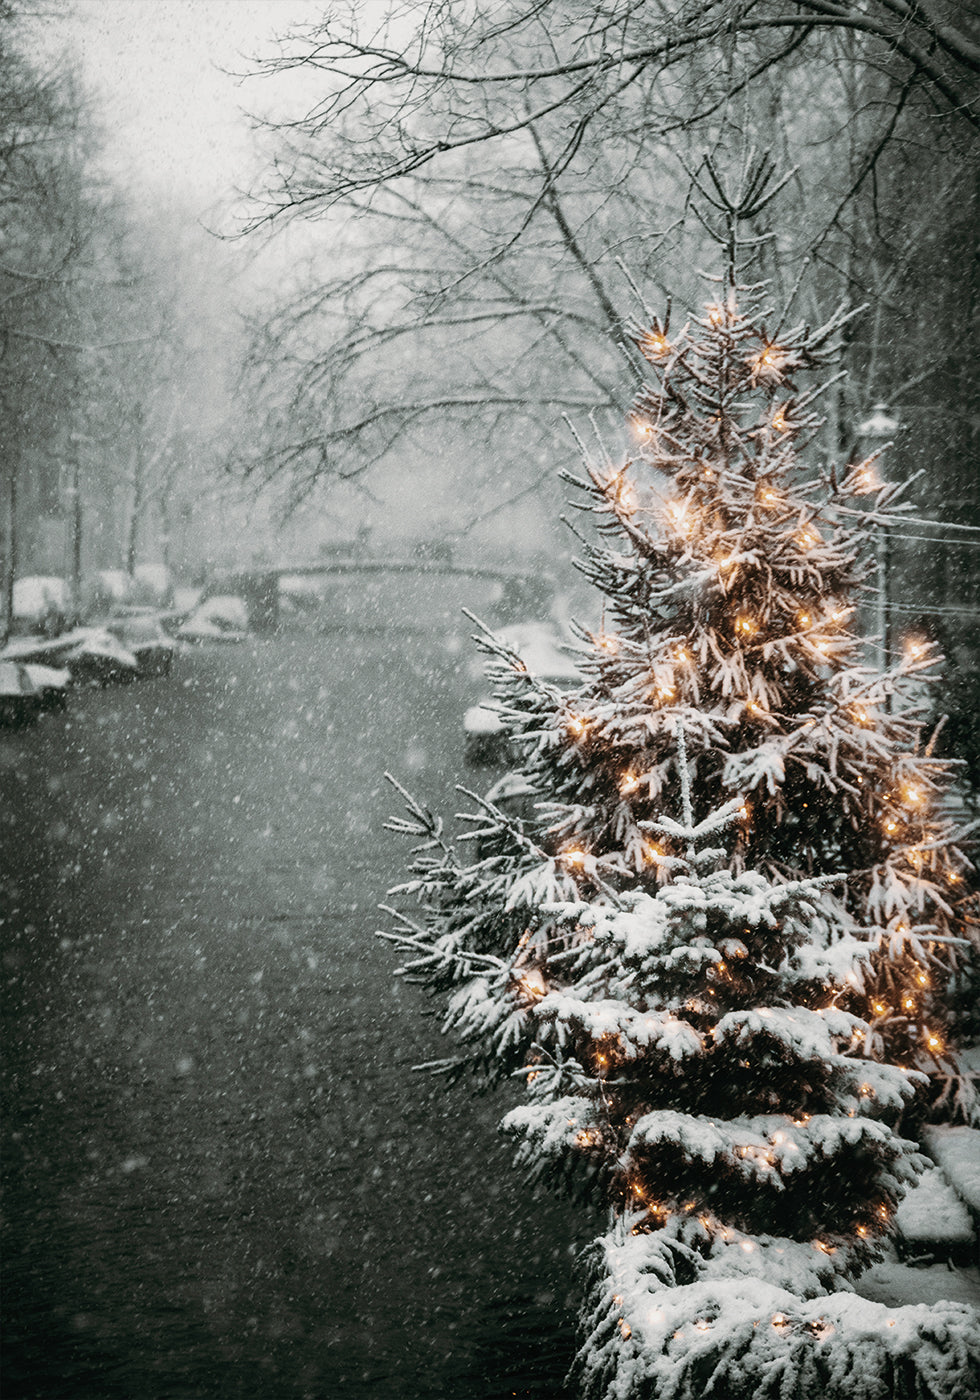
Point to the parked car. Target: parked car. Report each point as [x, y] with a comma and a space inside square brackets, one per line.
[20, 698]
[99, 658]
[223, 618]
[540, 648]
[52, 682]
[145, 638]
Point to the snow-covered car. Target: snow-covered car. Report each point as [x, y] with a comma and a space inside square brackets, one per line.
[223, 618]
[20, 698]
[539, 646]
[147, 641]
[53, 683]
[99, 658]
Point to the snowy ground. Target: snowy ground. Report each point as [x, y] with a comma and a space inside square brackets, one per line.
[896, 1283]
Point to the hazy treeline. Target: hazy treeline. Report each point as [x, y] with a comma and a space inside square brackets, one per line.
[103, 365]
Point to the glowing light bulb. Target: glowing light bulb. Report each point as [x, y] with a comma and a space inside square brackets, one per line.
[767, 362]
[934, 1042]
[576, 725]
[618, 489]
[629, 783]
[656, 345]
[746, 625]
[679, 518]
[625, 1329]
[573, 857]
[779, 421]
[864, 479]
[533, 985]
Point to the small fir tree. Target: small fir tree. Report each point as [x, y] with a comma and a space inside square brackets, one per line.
[715, 946]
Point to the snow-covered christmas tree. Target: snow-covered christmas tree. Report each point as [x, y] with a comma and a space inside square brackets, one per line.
[715, 945]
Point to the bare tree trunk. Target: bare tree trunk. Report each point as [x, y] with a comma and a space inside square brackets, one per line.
[9, 555]
[135, 511]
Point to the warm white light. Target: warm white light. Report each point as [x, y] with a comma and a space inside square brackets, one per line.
[864, 479]
[656, 344]
[679, 518]
[532, 984]
[768, 361]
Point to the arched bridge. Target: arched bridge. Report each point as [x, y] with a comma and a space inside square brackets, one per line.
[259, 586]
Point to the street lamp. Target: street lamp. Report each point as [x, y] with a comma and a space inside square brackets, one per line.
[876, 432]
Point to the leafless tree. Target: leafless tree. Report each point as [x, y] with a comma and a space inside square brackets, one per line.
[476, 179]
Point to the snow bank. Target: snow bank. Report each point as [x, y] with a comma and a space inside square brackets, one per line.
[932, 1213]
[957, 1150]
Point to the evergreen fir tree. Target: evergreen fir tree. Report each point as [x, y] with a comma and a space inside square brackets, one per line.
[715, 946]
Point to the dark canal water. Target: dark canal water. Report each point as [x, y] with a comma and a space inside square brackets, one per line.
[222, 1177]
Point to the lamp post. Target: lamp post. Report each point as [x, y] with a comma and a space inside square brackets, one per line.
[876, 433]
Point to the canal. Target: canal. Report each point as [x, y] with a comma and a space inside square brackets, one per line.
[223, 1178]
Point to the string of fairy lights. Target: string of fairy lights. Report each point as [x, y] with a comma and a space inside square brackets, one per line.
[915, 845]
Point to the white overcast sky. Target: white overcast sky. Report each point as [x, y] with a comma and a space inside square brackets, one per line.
[172, 116]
